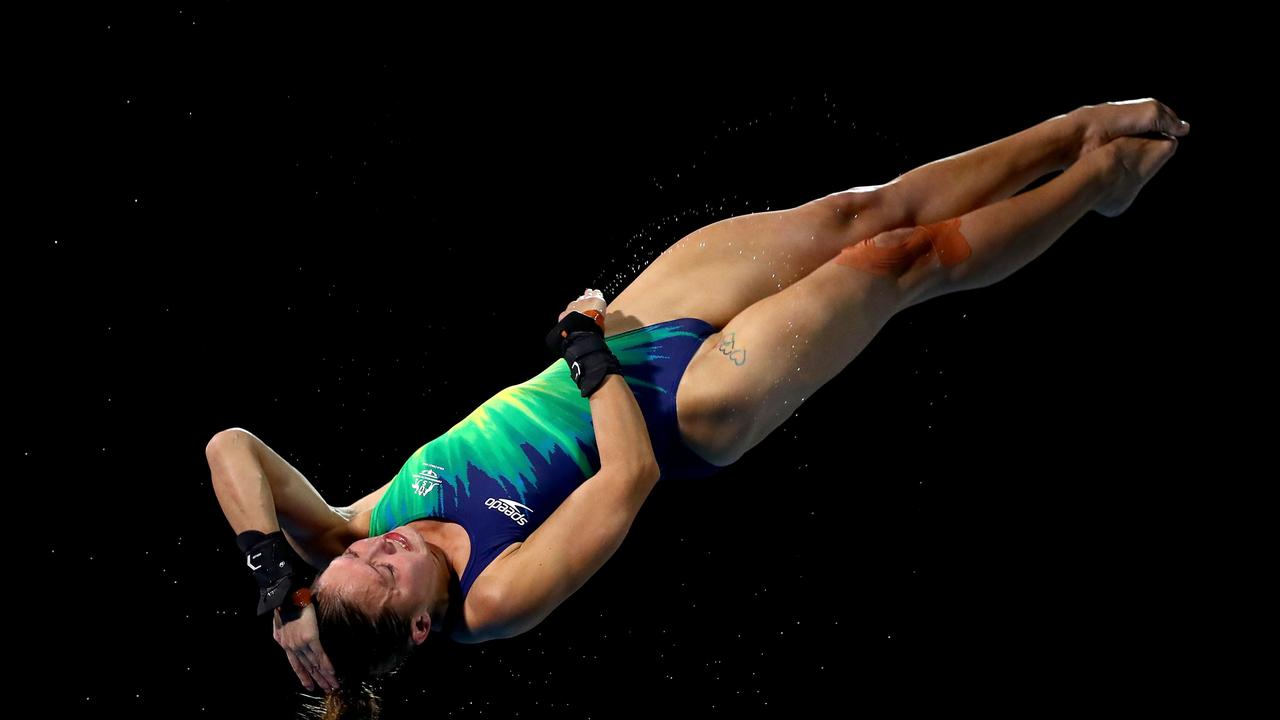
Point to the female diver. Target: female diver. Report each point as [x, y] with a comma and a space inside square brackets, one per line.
[490, 526]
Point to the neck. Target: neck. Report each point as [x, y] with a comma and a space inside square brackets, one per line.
[444, 614]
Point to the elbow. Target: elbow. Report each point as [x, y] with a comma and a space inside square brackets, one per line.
[224, 439]
[655, 471]
[648, 471]
[644, 468]
[639, 463]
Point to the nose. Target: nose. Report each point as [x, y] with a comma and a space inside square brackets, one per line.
[381, 546]
[387, 545]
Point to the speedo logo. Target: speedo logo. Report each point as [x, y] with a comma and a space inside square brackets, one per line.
[508, 508]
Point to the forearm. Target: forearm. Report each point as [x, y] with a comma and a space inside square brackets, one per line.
[259, 490]
[241, 484]
[622, 436]
[985, 175]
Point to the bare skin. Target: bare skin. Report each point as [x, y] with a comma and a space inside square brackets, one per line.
[792, 316]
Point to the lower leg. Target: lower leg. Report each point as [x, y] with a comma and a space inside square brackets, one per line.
[990, 173]
[984, 245]
[788, 345]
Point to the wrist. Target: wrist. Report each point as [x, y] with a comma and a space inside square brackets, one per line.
[277, 569]
[292, 608]
[595, 315]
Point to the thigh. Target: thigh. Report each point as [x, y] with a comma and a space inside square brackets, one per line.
[748, 378]
[719, 270]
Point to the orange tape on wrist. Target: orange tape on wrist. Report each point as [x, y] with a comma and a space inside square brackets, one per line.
[594, 315]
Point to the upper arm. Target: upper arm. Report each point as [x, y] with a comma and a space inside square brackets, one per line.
[318, 531]
[567, 549]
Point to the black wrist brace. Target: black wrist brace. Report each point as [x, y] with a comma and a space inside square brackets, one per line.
[277, 568]
[580, 341]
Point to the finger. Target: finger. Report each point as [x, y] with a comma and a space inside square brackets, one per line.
[325, 683]
[303, 676]
[308, 663]
[326, 668]
[313, 667]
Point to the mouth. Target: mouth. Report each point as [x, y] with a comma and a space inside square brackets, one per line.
[400, 540]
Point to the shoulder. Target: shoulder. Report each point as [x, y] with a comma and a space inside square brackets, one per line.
[479, 620]
[486, 614]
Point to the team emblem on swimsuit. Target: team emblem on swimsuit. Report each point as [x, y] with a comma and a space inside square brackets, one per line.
[426, 480]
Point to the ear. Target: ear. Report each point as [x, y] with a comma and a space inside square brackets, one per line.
[421, 627]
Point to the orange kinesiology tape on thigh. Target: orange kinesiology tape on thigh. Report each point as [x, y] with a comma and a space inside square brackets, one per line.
[922, 242]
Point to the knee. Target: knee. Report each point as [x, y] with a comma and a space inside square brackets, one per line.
[918, 262]
[865, 211]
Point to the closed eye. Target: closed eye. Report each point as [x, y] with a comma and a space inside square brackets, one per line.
[391, 569]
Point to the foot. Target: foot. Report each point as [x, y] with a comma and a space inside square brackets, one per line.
[1130, 162]
[1100, 124]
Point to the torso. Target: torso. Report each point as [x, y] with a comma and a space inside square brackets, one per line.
[453, 538]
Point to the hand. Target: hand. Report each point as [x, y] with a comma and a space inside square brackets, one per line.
[1127, 163]
[588, 300]
[1103, 123]
[301, 642]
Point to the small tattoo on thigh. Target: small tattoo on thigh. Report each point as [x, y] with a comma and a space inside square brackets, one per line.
[737, 355]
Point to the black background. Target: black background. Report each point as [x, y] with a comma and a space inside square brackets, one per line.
[345, 248]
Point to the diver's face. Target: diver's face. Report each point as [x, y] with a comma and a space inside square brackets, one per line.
[397, 569]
